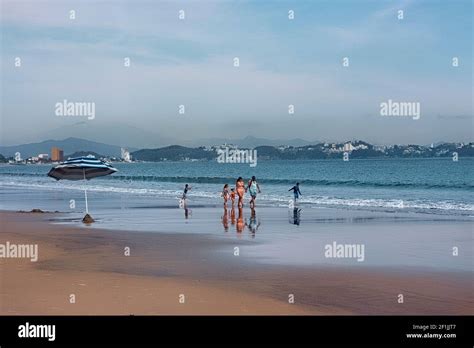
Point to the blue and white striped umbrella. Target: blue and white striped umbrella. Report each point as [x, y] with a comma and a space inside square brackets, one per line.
[81, 168]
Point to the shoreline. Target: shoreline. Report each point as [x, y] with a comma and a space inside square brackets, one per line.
[90, 263]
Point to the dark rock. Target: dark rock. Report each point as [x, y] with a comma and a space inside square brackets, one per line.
[88, 219]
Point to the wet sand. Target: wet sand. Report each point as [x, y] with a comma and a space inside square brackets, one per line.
[90, 263]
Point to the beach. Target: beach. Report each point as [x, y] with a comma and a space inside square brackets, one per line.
[366, 237]
[163, 265]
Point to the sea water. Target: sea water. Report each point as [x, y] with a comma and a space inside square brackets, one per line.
[405, 212]
[434, 186]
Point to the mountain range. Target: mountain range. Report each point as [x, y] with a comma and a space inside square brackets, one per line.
[355, 149]
[69, 146]
[249, 142]
[119, 134]
[359, 149]
[75, 144]
[128, 136]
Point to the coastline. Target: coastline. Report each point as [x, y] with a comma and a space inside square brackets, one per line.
[91, 264]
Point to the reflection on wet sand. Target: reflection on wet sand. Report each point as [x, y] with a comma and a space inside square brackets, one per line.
[240, 223]
[294, 217]
[184, 204]
[232, 216]
[225, 220]
[253, 223]
[187, 212]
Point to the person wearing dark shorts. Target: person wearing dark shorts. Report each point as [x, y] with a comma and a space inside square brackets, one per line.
[296, 191]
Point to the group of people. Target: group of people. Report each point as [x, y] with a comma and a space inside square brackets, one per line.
[239, 191]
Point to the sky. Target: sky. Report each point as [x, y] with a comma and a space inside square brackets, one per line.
[283, 62]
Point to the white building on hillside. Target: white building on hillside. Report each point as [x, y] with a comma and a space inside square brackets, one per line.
[348, 147]
[125, 155]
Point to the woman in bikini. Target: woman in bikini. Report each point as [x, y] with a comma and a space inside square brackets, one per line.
[240, 188]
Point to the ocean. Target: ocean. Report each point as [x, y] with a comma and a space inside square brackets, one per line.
[406, 212]
[433, 186]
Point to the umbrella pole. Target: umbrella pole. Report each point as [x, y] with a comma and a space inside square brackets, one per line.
[85, 190]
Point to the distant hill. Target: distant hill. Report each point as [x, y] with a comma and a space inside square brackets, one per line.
[110, 133]
[69, 146]
[355, 149]
[74, 147]
[250, 142]
[173, 153]
[84, 154]
[268, 152]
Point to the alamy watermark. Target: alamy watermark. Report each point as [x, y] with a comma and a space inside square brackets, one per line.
[401, 109]
[345, 251]
[24, 251]
[67, 108]
[234, 155]
[28, 330]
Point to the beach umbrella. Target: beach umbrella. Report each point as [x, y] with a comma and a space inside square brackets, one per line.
[81, 168]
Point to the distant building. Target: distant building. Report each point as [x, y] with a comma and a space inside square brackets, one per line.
[43, 156]
[379, 147]
[57, 155]
[348, 147]
[125, 155]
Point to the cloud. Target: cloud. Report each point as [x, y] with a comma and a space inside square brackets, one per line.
[190, 62]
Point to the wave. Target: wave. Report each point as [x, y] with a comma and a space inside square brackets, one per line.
[272, 200]
[286, 182]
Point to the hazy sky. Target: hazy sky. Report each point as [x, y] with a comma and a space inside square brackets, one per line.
[282, 62]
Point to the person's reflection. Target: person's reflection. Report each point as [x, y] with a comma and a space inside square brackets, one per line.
[295, 218]
[240, 221]
[232, 216]
[253, 223]
[186, 212]
[225, 220]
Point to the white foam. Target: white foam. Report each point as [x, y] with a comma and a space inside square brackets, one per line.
[270, 199]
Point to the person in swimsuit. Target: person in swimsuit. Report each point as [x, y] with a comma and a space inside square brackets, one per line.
[253, 188]
[240, 188]
[225, 194]
[232, 196]
[296, 191]
[185, 192]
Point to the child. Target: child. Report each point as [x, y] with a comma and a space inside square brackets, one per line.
[185, 192]
[296, 191]
[225, 194]
[232, 196]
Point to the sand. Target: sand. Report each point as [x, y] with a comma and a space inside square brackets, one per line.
[92, 265]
